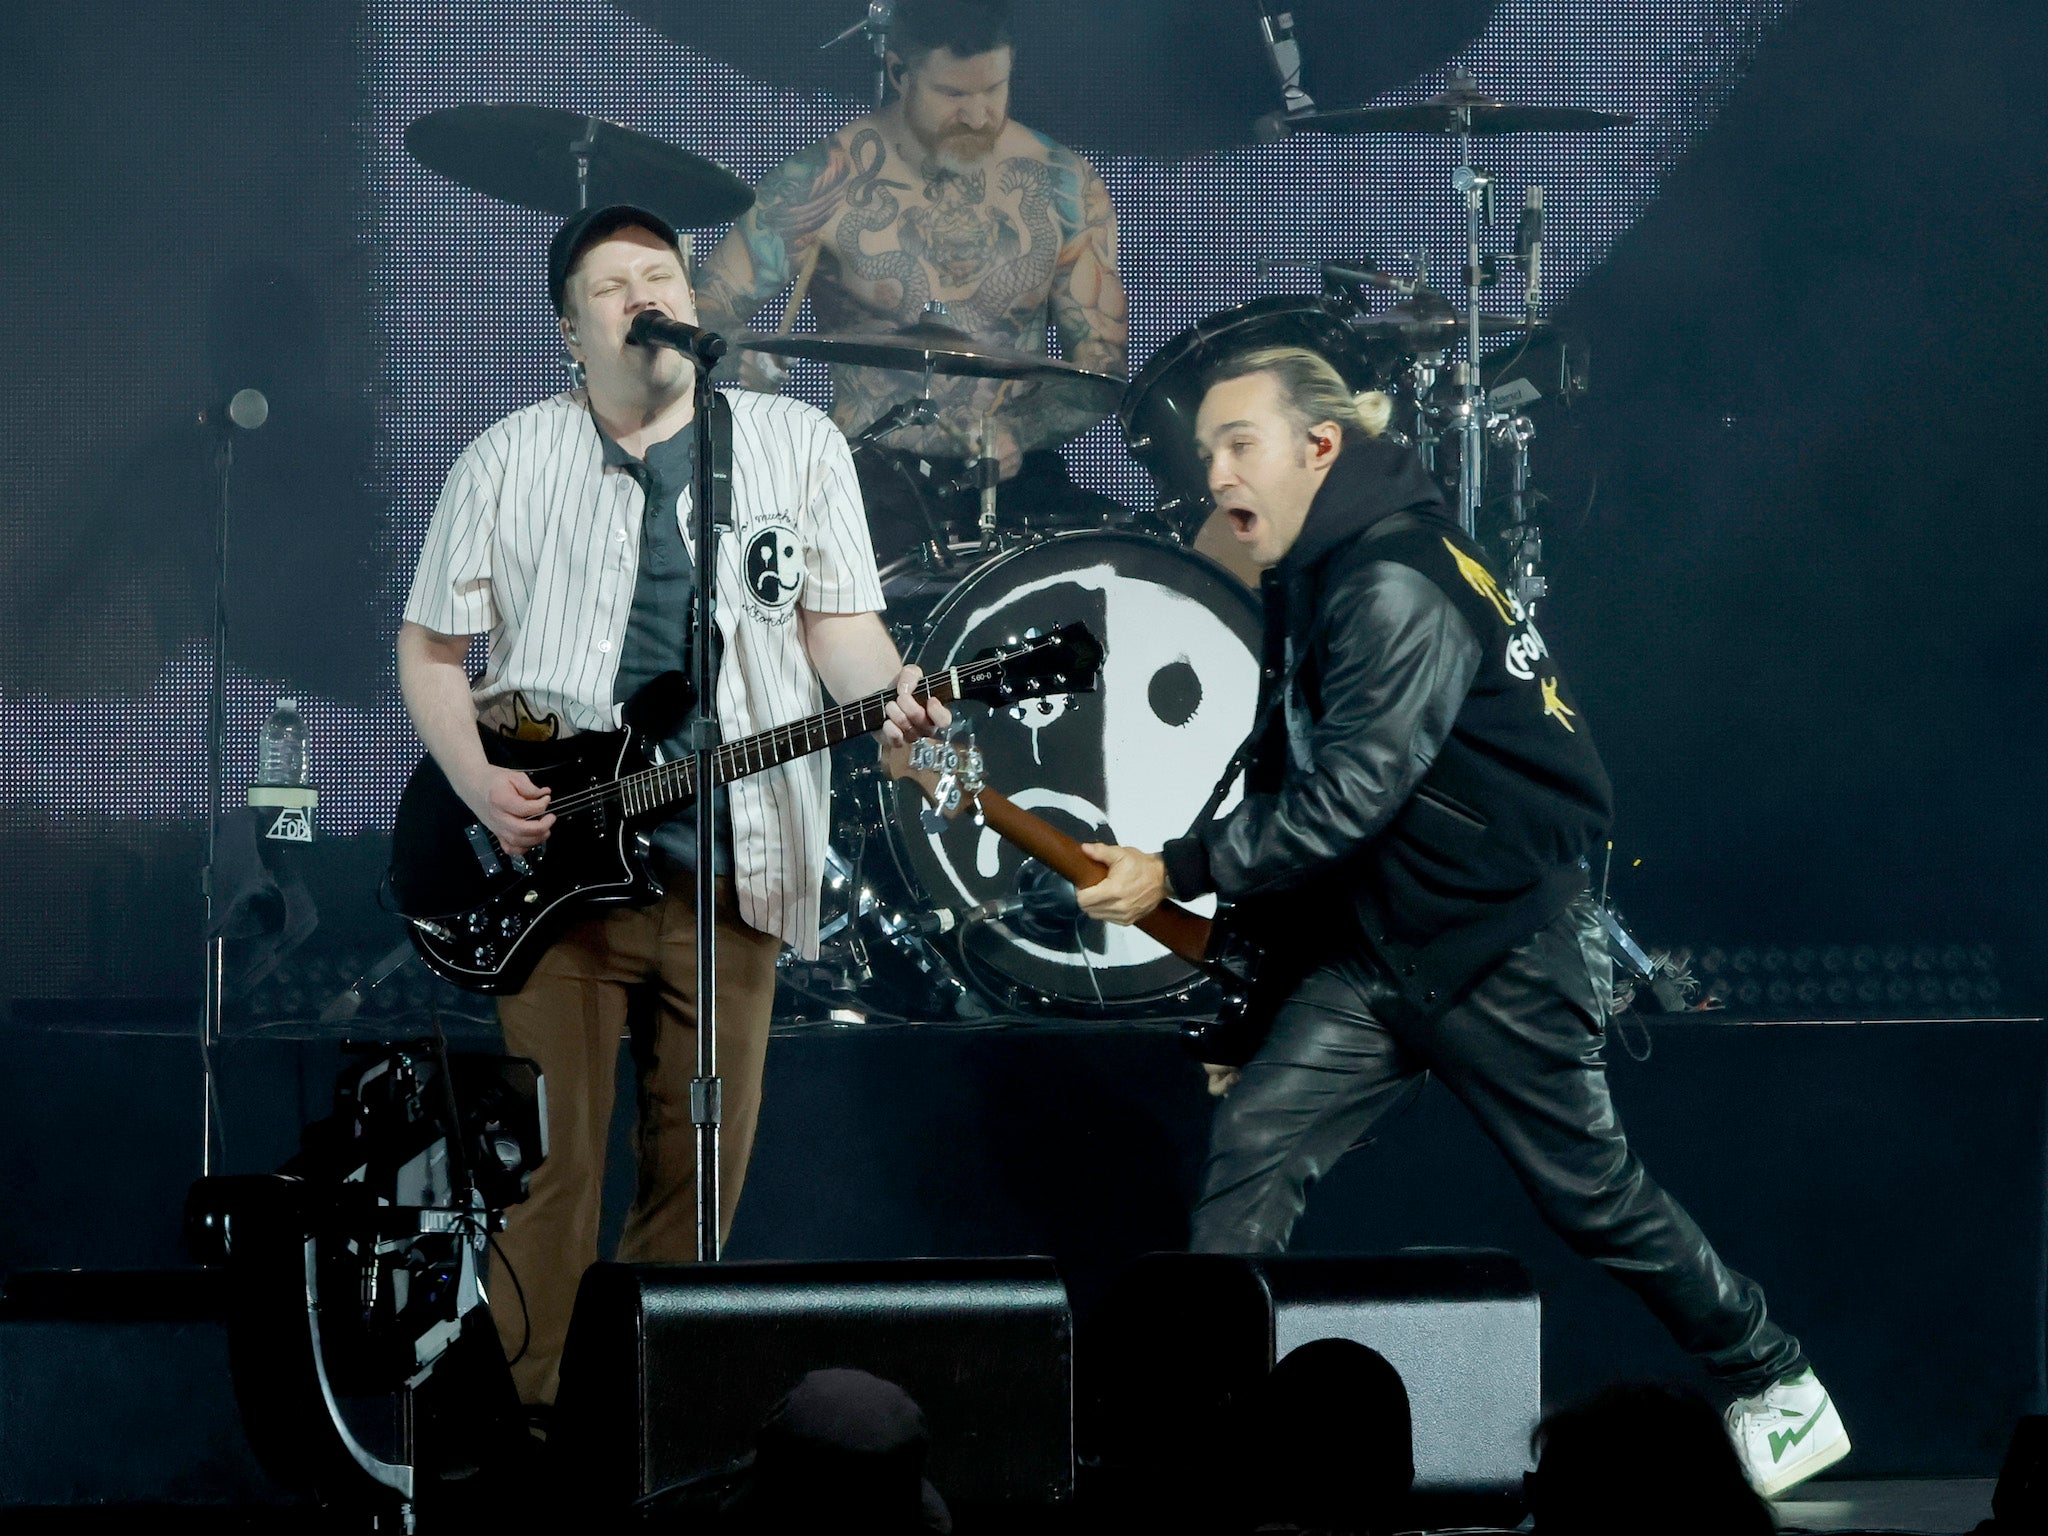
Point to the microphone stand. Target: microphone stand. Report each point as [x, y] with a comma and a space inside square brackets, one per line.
[706, 1089]
[212, 993]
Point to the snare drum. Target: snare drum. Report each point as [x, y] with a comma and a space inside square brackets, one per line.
[1130, 763]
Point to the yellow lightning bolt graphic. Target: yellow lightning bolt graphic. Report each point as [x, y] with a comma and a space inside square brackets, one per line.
[1480, 579]
[1553, 705]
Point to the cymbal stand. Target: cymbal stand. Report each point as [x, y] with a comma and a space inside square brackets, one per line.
[1526, 581]
[920, 411]
[987, 472]
[583, 149]
[1476, 186]
[1422, 375]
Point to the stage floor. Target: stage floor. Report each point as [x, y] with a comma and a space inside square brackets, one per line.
[1936, 1506]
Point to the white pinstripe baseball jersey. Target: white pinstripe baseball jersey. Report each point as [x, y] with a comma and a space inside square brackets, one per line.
[536, 543]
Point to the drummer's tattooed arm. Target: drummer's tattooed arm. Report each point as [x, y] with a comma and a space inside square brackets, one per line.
[763, 250]
[1087, 304]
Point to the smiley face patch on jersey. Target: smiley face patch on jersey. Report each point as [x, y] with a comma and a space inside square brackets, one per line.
[774, 570]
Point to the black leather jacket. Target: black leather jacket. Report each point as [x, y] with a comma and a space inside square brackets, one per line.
[1420, 779]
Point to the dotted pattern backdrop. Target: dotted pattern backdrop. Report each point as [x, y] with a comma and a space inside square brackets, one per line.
[467, 333]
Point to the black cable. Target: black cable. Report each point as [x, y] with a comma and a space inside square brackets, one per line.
[525, 1313]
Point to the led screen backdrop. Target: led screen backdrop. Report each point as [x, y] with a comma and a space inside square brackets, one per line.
[456, 330]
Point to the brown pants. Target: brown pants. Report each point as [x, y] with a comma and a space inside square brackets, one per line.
[570, 1018]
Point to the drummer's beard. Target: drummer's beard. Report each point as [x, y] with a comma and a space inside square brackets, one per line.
[963, 149]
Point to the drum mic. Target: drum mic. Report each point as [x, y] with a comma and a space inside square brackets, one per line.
[651, 328]
[1529, 246]
[1277, 28]
[1364, 272]
[938, 920]
[245, 408]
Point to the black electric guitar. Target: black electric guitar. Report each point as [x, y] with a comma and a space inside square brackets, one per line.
[481, 917]
[1228, 948]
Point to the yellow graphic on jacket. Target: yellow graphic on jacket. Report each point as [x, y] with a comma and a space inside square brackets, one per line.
[1480, 579]
[1556, 707]
[525, 728]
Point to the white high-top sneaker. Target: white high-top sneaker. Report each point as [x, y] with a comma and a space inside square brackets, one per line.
[1786, 1433]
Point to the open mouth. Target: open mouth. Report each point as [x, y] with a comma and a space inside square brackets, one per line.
[1243, 521]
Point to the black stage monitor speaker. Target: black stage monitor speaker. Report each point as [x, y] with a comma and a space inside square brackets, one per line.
[670, 1368]
[1182, 1338]
[115, 1390]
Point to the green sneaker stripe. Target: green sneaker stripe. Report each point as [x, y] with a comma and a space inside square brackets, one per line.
[1781, 1443]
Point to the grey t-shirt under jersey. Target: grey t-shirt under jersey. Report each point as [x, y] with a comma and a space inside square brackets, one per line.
[658, 630]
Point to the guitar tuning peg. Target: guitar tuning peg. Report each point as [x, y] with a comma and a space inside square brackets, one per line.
[1034, 633]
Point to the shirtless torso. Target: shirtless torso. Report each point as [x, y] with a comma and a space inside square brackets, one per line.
[1013, 244]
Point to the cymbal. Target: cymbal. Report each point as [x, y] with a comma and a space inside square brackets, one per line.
[943, 350]
[528, 156]
[1428, 323]
[1458, 110]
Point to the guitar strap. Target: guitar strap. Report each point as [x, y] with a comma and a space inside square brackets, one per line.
[721, 460]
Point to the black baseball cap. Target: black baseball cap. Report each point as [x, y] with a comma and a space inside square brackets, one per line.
[580, 229]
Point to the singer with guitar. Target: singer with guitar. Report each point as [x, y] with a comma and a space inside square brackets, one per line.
[560, 536]
[1421, 795]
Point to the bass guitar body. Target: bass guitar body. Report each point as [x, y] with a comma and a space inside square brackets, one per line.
[481, 917]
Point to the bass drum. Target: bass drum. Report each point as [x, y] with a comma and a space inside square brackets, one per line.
[1130, 763]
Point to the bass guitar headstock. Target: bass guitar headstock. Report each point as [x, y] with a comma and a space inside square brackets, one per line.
[1069, 660]
[957, 762]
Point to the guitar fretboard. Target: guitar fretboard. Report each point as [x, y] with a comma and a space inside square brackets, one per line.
[667, 784]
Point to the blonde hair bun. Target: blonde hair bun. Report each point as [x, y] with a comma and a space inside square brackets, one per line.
[1375, 410]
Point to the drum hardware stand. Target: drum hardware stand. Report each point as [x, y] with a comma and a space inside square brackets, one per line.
[987, 476]
[1526, 581]
[582, 149]
[875, 26]
[1476, 187]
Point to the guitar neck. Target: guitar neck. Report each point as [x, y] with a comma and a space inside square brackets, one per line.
[1185, 933]
[670, 784]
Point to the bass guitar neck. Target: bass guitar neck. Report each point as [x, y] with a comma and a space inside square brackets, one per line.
[1185, 933]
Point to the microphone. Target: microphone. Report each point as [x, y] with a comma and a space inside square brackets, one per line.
[1529, 246]
[651, 328]
[245, 408]
[1278, 30]
[929, 925]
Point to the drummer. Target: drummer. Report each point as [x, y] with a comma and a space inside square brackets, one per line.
[941, 197]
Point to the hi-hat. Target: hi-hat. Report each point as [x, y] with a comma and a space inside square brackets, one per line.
[1460, 109]
[560, 162]
[940, 349]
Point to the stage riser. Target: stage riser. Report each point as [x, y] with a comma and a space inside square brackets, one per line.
[1883, 1181]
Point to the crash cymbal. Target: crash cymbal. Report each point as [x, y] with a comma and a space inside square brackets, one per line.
[1458, 110]
[943, 350]
[528, 155]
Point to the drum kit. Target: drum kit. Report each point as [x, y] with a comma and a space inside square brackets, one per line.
[946, 920]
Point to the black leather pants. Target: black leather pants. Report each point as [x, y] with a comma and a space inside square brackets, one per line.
[1523, 1051]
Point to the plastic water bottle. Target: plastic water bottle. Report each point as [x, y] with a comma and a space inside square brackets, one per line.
[282, 759]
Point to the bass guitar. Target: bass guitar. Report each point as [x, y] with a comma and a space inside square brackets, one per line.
[1253, 984]
[481, 916]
